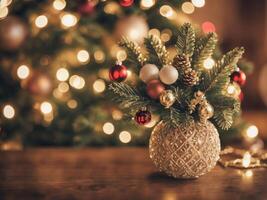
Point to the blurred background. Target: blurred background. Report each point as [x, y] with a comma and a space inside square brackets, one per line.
[56, 54]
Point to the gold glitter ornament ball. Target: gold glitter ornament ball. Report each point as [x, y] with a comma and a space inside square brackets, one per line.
[188, 151]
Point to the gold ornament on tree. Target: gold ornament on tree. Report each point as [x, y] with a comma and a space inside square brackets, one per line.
[167, 98]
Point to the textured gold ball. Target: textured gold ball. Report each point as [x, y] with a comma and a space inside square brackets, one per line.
[205, 111]
[188, 151]
[167, 98]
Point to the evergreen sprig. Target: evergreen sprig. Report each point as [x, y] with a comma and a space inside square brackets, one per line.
[156, 50]
[133, 51]
[186, 40]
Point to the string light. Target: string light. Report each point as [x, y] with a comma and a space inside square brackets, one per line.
[41, 21]
[72, 103]
[146, 4]
[117, 115]
[99, 86]
[62, 74]
[166, 11]
[125, 137]
[111, 8]
[4, 3]
[252, 131]
[188, 7]
[246, 160]
[8, 111]
[23, 72]
[59, 4]
[208, 27]
[108, 128]
[155, 32]
[121, 55]
[209, 63]
[77, 82]
[83, 56]
[63, 87]
[46, 107]
[248, 173]
[198, 3]
[166, 35]
[69, 20]
[99, 56]
[3, 12]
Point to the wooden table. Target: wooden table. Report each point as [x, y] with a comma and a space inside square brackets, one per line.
[115, 173]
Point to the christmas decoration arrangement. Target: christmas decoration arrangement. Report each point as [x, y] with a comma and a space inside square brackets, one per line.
[191, 99]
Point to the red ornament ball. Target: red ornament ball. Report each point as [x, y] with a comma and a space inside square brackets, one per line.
[118, 73]
[142, 117]
[126, 3]
[239, 77]
[87, 8]
[154, 89]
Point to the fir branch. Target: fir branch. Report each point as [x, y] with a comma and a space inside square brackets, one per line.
[127, 96]
[224, 119]
[204, 49]
[157, 51]
[133, 51]
[218, 77]
[186, 40]
[173, 117]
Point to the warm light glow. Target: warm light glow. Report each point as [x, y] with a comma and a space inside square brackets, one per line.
[154, 31]
[249, 173]
[121, 55]
[69, 20]
[62, 74]
[231, 89]
[146, 4]
[8, 111]
[3, 12]
[72, 103]
[63, 87]
[209, 63]
[83, 56]
[166, 11]
[77, 82]
[125, 137]
[59, 4]
[166, 35]
[208, 27]
[5, 3]
[246, 160]
[99, 86]
[108, 128]
[198, 3]
[46, 107]
[23, 72]
[111, 8]
[117, 115]
[99, 56]
[188, 8]
[252, 131]
[41, 21]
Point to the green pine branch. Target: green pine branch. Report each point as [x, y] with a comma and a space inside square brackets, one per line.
[157, 51]
[204, 49]
[224, 118]
[218, 77]
[186, 40]
[133, 51]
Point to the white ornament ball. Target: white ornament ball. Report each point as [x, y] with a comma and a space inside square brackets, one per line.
[168, 74]
[149, 72]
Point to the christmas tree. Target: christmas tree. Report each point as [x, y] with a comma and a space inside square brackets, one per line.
[54, 60]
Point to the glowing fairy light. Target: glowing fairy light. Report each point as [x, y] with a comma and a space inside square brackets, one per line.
[198, 3]
[188, 7]
[99, 56]
[252, 131]
[72, 103]
[83, 56]
[208, 27]
[41, 21]
[125, 137]
[231, 89]
[121, 55]
[5, 3]
[63, 87]
[99, 86]
[23, 72]
[8, 111]
[117, 115]
[62, 74]
[46, 107]
[248, 173]
[246, 160]
[108, 128]
[69, 20]
[146, 4]
[3, 12]
[59, 4]
[166, 11]
[154, 31]
[77, 82]
[209, 63]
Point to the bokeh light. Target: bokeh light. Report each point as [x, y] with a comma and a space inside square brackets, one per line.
[166, 11]
[108, 128]
[77, 82]
[23, 72]
[8, 111]
[208, 27]
[83, 56]
[72, 103]
[62, 74]
[3, 12]
[209, 63]
[63, 87]
[146, 4]
[46, 107]
[69, 20]
[99, 86]
[252, 131]
[41, 21]
[59, 4]
[188, 7]
[125, 137]
[198, 3]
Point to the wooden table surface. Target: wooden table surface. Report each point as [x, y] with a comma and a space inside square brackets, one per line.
[115, 173]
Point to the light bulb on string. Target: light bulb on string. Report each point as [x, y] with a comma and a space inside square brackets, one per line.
[46, 107]
[69, 20]
[252, 131]
[62, 74]
[83, 56]
[77, 82]
[198, 3]
[125, 137]
[99, 86]
[9, 111]
[188, 7]
[59, 4]
[108, 128]
[23, 72]
[208, 63]
[41, 21]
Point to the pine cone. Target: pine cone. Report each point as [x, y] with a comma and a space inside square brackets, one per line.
[190, 77]
[181, 61]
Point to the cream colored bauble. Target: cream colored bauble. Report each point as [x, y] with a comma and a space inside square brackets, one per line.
[188, 151]
[168, 74]
[149, 72]
[133, 27]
